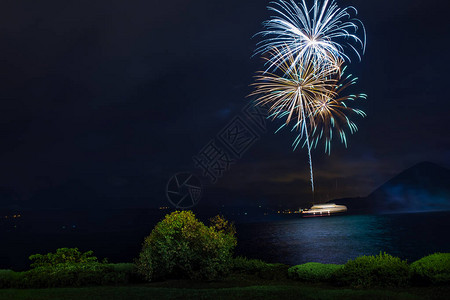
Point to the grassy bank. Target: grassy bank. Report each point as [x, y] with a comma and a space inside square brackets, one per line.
[237, 286]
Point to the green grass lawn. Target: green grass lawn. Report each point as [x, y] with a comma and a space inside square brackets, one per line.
[235, 287]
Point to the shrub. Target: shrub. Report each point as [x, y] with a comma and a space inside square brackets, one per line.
[382, 270]
[259, 268]
[180, 246]
[70, 274]
[315, 272]
[129, 271]
[124, 267]
[6, 278]
[247, 266]
[220, 224]
[62, 256]
[431, 269]
[74, 275]
[69, 267]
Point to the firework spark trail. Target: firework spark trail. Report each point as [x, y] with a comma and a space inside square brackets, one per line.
[309, 155]
[294, 95]
[331, 113]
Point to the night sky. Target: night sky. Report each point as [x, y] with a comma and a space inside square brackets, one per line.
[101, 102]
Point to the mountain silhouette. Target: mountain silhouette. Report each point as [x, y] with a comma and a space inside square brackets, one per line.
[423, 187]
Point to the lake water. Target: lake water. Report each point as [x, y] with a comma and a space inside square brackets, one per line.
[292, 241]
[340, 238]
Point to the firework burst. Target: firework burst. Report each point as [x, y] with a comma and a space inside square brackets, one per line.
[318, 34]
[304, 83]
[292, 96]
[332, 112]
[309, 100]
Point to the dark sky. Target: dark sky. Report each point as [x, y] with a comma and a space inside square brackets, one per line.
[101, 102]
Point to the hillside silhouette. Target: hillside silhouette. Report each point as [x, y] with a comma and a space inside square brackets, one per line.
[422, 187]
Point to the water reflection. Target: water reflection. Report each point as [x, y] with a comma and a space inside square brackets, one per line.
[337, 239]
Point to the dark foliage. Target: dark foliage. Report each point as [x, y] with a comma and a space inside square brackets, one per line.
[382, 270]
[431, 269]
[260, 268]
[62, 256]
[313, 272]
[180, 246]
[71, 275]
[69, 267]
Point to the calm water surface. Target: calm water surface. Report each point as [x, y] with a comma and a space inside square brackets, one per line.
[339, 238]
[290, 241]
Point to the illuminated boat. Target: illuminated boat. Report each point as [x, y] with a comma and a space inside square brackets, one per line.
[324, 210]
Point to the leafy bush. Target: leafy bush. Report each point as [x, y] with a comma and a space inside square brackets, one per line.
[6, 278]
[5, 275]
[247, 266]
[431, 269]
[259, 268]
[69, 267]
[180, 246]
[73, 275]
[128, 270]
[315, 272]
[220, 224]
[62, 256]
[382, 270]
